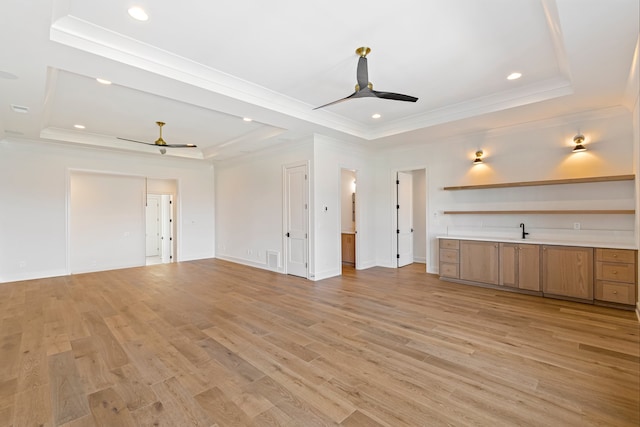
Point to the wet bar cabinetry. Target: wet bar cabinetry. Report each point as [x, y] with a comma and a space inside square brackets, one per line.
[605, 276]
[520, 266]
[616, 276]
[567, 272]
[479, 261]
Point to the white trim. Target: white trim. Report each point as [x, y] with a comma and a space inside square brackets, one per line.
[47, 274]
[247, 262]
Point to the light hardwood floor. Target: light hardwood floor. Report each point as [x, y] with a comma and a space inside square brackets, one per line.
[209, 343]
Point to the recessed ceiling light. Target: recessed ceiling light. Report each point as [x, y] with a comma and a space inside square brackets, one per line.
[514, 76]
[103, 81]
[247, 119]
[79, 126]
[138, 13]
[376, 116]
[7, 75]
[19, 109]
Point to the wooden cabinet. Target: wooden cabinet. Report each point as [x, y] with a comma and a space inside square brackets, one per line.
[616, 276]
[349, 248]
[520, 266]
[567, 272]
[595, 275]
[449, 258]
[479, 261]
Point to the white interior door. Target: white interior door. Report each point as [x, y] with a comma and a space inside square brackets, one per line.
[404, 208]
[296, 219]
[153, 225]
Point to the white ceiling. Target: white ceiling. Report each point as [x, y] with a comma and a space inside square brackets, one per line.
[203, 66]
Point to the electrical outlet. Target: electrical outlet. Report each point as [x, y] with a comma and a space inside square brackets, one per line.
[576, 226]
[22, 264]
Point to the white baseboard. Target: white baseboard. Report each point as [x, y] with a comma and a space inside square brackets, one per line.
[326, 274]
[366, 264]
[247, 262]
[33, 275]
[420, 260]
[196, 257]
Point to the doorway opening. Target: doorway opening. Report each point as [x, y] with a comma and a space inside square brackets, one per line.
[160, 224]
[410, 219]
[348, 228]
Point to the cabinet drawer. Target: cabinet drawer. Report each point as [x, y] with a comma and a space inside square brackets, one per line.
[623, 293]
[616, 272]
[449, 244]
[616, 255]
[449, 255]
[449, 270]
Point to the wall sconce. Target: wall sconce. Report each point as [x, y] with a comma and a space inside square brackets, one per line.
[478, 159]
[578, 140]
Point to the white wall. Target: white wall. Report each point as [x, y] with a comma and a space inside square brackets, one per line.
[636, 165]
[106, 222]
[249, 200]
[34, 194]
[330, 157]
[249, 203]
[535, 151]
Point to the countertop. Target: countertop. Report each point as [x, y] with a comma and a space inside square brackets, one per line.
[534, 241]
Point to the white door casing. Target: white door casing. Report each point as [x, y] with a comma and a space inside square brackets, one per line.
[152, 220]
[404, 209]
[296, 220]
[166, 206]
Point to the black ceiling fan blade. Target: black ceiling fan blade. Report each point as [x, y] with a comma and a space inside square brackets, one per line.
[338, 101]
[178, 145]
[160, 145]
[394, 96]
[363, 73]
[139, 142]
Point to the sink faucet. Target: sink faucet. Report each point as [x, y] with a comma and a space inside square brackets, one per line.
[523, 232]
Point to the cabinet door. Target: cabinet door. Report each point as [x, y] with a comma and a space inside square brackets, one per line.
[568, 271]
[479, 261]
[529, 267]
[509, 265]
[349, 248]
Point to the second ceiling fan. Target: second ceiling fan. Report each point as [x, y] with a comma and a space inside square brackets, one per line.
[364, 88]
[161, 142]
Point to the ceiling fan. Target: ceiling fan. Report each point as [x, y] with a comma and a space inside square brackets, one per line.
[161, 142]
[364, 88]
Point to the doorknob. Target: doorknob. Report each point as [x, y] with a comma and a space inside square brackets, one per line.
[287, 234]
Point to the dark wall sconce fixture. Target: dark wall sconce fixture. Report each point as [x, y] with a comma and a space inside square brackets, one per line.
[578, 140]
[478, 159]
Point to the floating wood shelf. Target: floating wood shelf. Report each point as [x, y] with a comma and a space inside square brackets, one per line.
[554, 212]
[548, 182]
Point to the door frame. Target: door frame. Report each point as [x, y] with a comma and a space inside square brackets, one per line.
[394, 218]
[409, 212]
[172, 245]
[357, 218]
[159, 219]
[285, 215]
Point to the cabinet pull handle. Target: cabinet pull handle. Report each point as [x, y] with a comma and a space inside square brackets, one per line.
[615, 292]
[615, 272]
